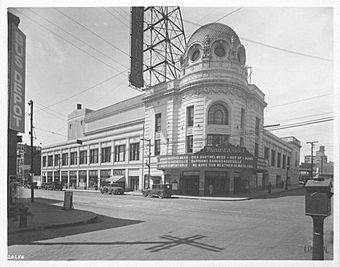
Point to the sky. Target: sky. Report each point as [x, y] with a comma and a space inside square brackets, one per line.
[81, 55]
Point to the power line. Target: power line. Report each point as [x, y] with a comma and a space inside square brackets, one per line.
[106, 41]
[67, 41]
[270, 46]
[286, 50]
[80, 40]
[116, 17]
[297, 101]
[308, 116]
[302, 124]
[232, 12]
[87, 89]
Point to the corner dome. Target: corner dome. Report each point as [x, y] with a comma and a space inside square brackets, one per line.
[214, 31]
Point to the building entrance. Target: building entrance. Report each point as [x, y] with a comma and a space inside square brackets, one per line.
[191, 185]
[220, 182]
[237, 184]
[134, 183]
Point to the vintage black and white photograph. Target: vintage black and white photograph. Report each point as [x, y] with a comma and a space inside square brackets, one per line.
[184, 133]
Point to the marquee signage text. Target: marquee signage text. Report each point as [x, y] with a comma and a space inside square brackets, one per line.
[227, 156]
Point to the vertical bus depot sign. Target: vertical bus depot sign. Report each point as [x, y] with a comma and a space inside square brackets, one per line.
[136, 53]
[17, 81]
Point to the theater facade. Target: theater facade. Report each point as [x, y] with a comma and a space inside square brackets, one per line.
[205, 128]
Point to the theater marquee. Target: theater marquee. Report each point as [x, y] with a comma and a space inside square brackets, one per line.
[227, 156]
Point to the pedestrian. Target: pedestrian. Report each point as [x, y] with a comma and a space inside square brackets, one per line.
[211, 189]
[269, 188]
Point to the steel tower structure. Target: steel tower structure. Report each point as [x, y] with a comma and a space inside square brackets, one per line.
[163, 44]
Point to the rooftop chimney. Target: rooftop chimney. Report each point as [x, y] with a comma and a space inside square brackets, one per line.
[78, 106]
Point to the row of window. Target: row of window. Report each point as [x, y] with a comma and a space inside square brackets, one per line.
[217, 114]
[276, 158]
[119, 155]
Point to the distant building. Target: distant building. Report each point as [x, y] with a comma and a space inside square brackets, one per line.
[24, 162]
[205, 128]
[320, 162]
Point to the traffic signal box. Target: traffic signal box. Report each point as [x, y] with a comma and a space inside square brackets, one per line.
[318, 198]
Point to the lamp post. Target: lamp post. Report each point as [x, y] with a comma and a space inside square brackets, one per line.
[286, 187]
[149, 163]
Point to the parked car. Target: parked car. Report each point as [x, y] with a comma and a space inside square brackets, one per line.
[111, 188]
[47, 186]
[159, 190]
[57, 186]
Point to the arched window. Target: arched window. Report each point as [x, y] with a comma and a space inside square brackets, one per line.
[218, 114]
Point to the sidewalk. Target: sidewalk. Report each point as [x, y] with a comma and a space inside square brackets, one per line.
[45, 213]
[228, 197]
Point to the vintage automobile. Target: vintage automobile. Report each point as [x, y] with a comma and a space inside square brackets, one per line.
[57, 186]
[159, 190]
[111, 188]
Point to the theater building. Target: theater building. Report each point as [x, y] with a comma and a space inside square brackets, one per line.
[205, 128]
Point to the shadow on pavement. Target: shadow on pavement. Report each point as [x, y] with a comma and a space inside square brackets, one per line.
[296, 192]
[101, 223]
[167, 242]
[47, 200]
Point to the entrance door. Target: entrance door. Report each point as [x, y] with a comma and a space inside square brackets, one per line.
[191, 185]
[237, 184]
[134, 183]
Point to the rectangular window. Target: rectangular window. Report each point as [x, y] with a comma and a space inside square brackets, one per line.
[256, 150]
[44, 161]
[241, 141]
[83, 157]
[217, 139]
[273, 158]
[266, 153]
[157, 147]
[257, 127]
[158, 121]
[94, 155]
[50, 161]
[73, 160]
[119, 153]
[243, 112]
[283, 161]
[134, 151]
[278, 160]
[106, 154]
[64, 159]
[190, 143]
[190, 116]
[288, 161]
[56, 160]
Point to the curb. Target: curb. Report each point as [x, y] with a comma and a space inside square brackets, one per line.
[37, 228]
[278, 192]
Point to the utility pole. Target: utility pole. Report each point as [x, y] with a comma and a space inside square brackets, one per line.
[312, 146]
[148, 164]
[30, 103]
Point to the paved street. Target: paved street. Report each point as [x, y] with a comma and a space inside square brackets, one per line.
[137, 228]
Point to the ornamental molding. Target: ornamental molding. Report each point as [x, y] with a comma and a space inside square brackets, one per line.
[228, 91]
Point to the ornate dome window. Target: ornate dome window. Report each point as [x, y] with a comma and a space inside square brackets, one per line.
[195, 52]
[241, 55]
[219, 51]
[218, 114]
[220, 48]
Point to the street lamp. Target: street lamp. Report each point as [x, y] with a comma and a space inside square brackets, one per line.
[286, 187]
[144, 139]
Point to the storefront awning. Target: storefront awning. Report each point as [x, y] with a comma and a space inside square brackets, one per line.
[115, 178]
